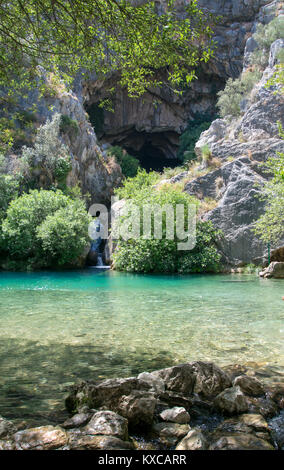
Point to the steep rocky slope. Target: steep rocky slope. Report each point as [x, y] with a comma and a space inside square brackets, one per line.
[241, 146]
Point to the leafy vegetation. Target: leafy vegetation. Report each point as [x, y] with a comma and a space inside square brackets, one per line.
[129, 164]
[162, 255]
[229, 101]
[45, 228]
[135, 40]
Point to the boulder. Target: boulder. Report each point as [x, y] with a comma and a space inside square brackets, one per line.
[240, 442]
[194, 440]
[249, 385]
[130, 398]
[80, 419]
[79, 441]
[177, 414]
[156, 384]
[180, 378]
[107, 423]
[41, 438]
[275, 269]
[170, 433]
[209, 379]
[204, 378]
[231, 401]
[264, 406]
[255, 421]
[138, 408]
[7, 445]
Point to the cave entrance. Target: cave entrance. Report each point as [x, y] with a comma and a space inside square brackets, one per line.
[152, 158]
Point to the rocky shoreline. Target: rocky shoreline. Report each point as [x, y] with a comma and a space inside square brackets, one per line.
[192, 406]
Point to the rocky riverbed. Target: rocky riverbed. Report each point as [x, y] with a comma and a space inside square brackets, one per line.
[192, 406]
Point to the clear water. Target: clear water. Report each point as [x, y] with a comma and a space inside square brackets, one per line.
[58, 328]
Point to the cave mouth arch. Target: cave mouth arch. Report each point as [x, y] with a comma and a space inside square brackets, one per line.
[152, 158]
[155, 151]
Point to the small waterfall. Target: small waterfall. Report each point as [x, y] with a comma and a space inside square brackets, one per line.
[100, 264]
[100, 261]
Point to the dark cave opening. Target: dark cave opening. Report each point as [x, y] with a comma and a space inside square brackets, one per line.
[153, 158]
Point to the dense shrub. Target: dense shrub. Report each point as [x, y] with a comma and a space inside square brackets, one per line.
[64, 234]
[45, 226]
[229, 101]
[141, 183]
[162, 255]
[129, 164]
[266, 34]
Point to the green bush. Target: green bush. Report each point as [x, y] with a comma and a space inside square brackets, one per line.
[235, 91]
[162, 255]
[129, 164]
[141, 183]
[46, 227]
[266, 34]
[64, 235]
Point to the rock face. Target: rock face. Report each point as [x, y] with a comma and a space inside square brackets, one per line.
[275, 269]
[183, 406]
[95, 174]
[241, 146]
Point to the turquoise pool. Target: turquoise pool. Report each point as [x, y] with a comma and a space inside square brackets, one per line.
[58, 328]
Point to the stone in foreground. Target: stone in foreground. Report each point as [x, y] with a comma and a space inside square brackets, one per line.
[194, 440]
[178, 414]
[231, 401]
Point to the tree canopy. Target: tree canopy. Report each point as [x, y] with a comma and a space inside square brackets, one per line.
[133, 38]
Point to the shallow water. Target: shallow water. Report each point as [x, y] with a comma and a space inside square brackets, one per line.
[57, 328]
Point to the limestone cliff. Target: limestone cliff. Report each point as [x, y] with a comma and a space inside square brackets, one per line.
[241, 145]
